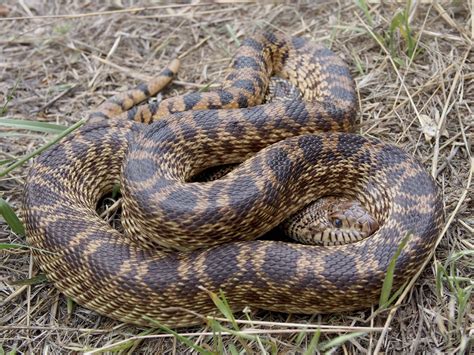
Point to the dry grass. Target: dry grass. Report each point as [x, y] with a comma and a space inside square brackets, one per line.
[55, 68]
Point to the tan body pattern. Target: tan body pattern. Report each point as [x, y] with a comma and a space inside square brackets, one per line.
[182, 237]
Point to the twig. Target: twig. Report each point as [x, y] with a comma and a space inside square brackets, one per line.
[302, 325]
[54, 99]
[204, 40]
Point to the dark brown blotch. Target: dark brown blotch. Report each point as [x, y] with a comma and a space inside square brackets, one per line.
[252, 43]
[246, 85]
[243, 194]
[131, 114]
[64, 230]
[339, 92]
[235, 129]
[280, 264]
[191, 100]
[179, 204]
[419, 185]
[208, 121]
[298, 42]
[256, 116]
[139, 169]
[323, 53]
[107, 259]
[225, 97]
[271, 37]
[242, 101]
[163, 275]
[167, 73]
[280, 164]
[245, 62]
[338, 113]
[143, 87]
[312, 147]
[224, 262]
[340, 268]
[297, 112]
[350, 144]
[390, 155]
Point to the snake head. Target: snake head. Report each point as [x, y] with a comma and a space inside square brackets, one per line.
[331, 220]
[351, 219]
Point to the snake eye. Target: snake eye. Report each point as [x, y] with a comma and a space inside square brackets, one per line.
[337, 223]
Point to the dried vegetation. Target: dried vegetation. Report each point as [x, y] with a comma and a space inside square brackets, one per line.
[414, 68]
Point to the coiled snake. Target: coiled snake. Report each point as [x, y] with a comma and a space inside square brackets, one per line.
[185, 237]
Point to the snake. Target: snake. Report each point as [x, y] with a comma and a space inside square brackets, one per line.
[185, 241]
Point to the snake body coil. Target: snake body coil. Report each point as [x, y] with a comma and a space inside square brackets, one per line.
[291, 155]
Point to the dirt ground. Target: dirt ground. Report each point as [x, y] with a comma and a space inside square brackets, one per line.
[58, 59]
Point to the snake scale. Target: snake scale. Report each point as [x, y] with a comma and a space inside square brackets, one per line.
[182, 238]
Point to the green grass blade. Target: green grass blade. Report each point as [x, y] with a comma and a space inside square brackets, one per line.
[313, 344]
[21, 246]
[340, 340]
[9, 97]
[178, 336]
[232, 349]
[35, 280]
[460, 254]
[363, 6]
[440, 272]
[11, 352]
[12, 134]
[206, 87]
[223, 306]
[396, 294]
[41, 149]
[115, 191]
[11, 246]
[11, 218]
[120, 347]
[219, 328]
[397, 22]
[5, 161]
[240, 335]
[388, 281]
[232, 34]
[69, 305]
[358, 63]
[32, 125]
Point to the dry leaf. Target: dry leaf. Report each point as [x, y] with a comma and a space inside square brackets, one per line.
[4, 11]
[428, 127]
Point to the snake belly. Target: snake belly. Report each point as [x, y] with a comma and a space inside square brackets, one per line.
[183, 238]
